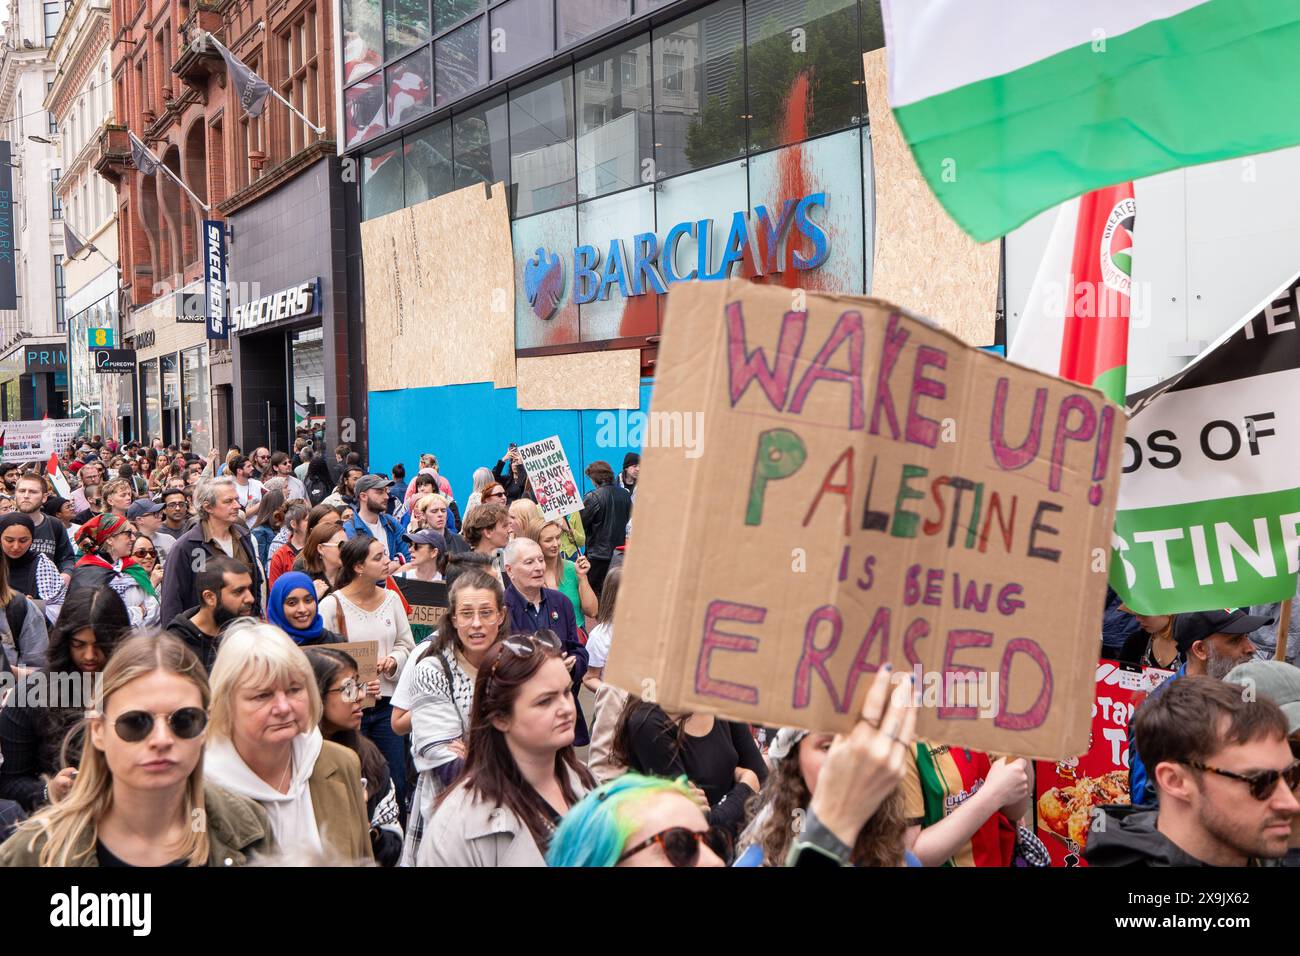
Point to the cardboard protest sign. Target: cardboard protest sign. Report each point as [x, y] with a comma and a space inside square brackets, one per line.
[1070, 791]
[366, 654]
[428, 599]
[554, 486]
[868, 489]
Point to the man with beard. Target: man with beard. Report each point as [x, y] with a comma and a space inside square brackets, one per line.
[1225, 774]
[1212, 643]
[225, 592]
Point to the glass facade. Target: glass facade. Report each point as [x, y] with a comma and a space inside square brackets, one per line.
[696, 134]
[307, 382]
[195, 397]
[93, 396]
[150, 399]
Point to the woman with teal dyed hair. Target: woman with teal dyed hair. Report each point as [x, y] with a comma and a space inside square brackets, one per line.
[638, 821]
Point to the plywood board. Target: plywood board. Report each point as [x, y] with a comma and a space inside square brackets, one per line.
[923, 260]
[581, 380]
[439, 281]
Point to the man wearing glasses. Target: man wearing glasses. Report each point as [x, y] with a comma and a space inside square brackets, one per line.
[1222, 765]
[175, 514]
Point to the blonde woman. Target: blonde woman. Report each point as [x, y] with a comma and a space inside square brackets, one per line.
[265, 744]
[140, 789]
[567, 577]
[526, 519]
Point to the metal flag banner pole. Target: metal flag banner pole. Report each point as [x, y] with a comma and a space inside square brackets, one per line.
[176, 179]
[319, 130]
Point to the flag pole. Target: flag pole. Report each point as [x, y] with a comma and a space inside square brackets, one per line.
[176, 179]
[1283, 625]
[319, 130]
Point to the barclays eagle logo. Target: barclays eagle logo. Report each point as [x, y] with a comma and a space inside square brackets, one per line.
[544, 283]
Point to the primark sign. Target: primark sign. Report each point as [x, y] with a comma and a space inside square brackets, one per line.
[296, 302]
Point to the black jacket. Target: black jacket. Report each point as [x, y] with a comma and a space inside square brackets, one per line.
[1128, 837]
[605, 513]
[179, 589]
[51, 539]
[511, 480]
[203, 645]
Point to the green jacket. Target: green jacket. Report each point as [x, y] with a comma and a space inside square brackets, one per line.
[237, 829]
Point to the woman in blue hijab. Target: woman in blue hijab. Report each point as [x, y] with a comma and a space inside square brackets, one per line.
[292, 608]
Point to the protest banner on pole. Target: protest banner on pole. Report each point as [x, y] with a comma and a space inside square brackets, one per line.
[873, 491]
[1070, 792]
[37, 440]
[1209, 505]
[554, 486]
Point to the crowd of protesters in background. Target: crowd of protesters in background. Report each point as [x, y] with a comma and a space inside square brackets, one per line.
[248, 628]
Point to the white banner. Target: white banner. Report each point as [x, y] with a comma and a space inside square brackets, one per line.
[554, 486]
[37, 440]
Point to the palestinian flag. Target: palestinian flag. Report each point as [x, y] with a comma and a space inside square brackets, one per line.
[1011, 109]
[1075, 323]
[1209, 504]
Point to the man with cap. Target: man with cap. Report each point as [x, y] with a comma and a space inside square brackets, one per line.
[1212, 643]
[372, 517]
[146, 514]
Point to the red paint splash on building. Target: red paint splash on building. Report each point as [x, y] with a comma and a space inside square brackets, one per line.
[792, 183]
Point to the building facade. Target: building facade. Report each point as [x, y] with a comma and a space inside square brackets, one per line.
[33, 337]
[81, 102]
[171, 91]
[612, 123]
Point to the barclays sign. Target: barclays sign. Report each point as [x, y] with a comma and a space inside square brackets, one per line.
[652, 265]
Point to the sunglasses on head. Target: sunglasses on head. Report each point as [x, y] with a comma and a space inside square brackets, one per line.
[682, 846]
[524, 646]
[186, 723]
[1261, 783]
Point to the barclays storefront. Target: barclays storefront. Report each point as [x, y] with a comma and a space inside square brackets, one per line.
[642, 143]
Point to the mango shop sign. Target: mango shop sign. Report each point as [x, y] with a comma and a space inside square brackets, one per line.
[652, 265]
[45, 358]
[294, 302]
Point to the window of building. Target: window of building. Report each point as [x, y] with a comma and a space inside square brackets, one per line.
[615, 145]
[447, 13]
[410, 87]
[579, 19]
[301, 85]
[194, 397]
[522, 33]
[60, 322]
[363, 110]
[460, 61]
[541, 144]
[706, 123]
[480, 144]
[673, 65]
[382, 188]
[406, 26]
[53, 17]
[363, 39]
[428, 163]
[252, 140]
[52, 124]
[56, 204]
[798, 90]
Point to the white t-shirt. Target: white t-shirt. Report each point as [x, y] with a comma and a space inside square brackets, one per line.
[386, 624]
[250, 493]
[376, 531]
[598, 641]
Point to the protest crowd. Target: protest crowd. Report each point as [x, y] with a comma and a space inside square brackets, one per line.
[251, 635]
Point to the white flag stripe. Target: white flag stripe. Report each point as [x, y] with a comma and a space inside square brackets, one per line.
[1198, 478]
[1041, 328]
[940, 45]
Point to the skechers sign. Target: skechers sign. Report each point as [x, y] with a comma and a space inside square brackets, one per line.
[214, 277]
[652, 266]
[292, 303]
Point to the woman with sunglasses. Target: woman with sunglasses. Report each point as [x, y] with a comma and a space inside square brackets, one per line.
[29, 571]
[265, 744]
[146, 555]
[320, 557]
[39, 754]
[638, 821]
[342, 697]
[521, 773]
[440, 692]
[140, 786]
[106, 542]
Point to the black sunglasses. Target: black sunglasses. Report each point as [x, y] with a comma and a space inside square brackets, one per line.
[186, 723]
[682, 846]
[1262, 783]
